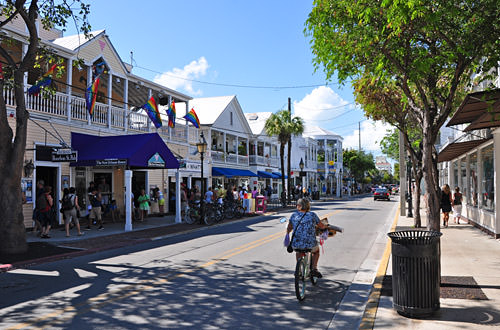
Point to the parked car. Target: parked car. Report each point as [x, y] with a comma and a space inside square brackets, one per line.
[381, 193]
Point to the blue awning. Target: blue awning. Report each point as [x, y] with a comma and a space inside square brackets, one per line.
[278, 174]
[231, 172]
[267, 175]
[134, 151]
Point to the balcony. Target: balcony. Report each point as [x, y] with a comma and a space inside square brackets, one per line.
[263, 161]
[220, 157]
[112, 117]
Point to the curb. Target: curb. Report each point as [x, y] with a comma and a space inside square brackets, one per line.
[68, 255]
[369, 316]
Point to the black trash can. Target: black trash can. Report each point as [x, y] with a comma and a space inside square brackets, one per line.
[416, 272]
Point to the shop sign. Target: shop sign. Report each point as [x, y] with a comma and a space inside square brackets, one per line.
[64, 155]
[110, 162]
[193, 167]
[156, 161]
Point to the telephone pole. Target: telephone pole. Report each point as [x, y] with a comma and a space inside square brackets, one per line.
[359, 130]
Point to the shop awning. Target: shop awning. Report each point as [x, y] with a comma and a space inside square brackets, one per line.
[278, 174]
[480, 109]
[134, 151]
[267, 175]
[454, 150]
[231, 172]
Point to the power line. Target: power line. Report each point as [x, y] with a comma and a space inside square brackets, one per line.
[331, 118]
[231, 85]
[322, 109]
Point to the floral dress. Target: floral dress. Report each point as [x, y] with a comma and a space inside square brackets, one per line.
[305, 236]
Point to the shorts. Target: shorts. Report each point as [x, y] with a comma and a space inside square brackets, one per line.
[70, 215]
[44, 218]
[95, 212]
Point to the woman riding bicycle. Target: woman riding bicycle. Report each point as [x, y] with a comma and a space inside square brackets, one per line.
[304, 223]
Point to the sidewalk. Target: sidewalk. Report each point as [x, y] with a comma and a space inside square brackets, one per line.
[467, 255]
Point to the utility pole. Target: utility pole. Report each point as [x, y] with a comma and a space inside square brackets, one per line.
[289, 190]
[359, 130]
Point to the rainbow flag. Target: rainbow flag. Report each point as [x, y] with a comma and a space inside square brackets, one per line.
[91, 95]
[193, 118]
[171, 114]
[46, 80]
[152, 111]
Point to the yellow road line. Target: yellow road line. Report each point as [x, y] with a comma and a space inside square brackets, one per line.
[368, 320]
[107, 299]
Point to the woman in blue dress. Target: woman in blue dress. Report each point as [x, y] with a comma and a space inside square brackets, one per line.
[304, 223]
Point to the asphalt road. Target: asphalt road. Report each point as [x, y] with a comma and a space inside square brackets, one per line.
[234, 276]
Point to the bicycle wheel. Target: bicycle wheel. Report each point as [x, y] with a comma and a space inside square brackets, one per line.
[210, 216]
[228, 212]
[240, 211]
[300, 280]
[192, 216]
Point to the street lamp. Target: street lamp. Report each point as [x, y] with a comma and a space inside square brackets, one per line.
[202, 148]
[410, 202]
[341, 183]
[301, 174]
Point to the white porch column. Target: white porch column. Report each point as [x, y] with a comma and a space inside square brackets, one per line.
[128, 200]
[110, 96]
[178, 218]
[496, 179]
[150, 92]
[125, 104]
[189, 185]
[467, 179]
[225, 151]
[89, 81]
[459, 177]
[479, 174]
[237, 145]
[69, 79]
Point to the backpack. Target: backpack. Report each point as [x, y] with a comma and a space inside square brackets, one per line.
[41, 202]
[67, 202]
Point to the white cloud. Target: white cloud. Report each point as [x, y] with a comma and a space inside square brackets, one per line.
[321, 105]
[181, 78]
[371, 135]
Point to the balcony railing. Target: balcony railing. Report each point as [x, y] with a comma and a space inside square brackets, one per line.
[104, 115]
[262, 160]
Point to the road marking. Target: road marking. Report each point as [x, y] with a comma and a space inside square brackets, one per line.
[368, 320]
[109, 297]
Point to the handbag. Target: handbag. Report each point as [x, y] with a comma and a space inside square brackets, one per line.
[289, 248]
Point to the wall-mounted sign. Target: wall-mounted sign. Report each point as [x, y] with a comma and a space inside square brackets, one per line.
[156, 161]
[64, 155]
[111, 162]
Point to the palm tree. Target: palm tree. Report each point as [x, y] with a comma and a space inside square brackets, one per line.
[282, 124]
[276, 125]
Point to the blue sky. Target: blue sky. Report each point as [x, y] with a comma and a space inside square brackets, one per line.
[244, 43]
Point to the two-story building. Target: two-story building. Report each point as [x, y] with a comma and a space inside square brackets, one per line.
[68, 147]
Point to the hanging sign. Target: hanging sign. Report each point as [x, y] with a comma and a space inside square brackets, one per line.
[64, 155]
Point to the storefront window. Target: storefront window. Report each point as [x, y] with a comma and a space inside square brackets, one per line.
[473, 180]
[487, 184]
[463, 181]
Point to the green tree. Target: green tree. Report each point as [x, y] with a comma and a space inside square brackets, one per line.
[276, 126]
[428, 50]
[358, 162]
[51, 13]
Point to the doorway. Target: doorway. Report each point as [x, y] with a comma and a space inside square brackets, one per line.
[138, 183]
[49, 176]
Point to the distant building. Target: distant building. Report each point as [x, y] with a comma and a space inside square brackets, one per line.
[382, 164]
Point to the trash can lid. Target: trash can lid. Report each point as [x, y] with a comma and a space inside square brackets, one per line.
[416, 237]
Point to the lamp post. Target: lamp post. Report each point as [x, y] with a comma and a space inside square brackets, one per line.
[202, 148]
[341, 181]
[410, 202]
[302, 174]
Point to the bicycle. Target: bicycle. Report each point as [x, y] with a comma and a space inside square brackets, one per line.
[303, 272]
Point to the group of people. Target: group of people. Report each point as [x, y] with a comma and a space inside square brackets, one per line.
[44, 213]
[449, 201]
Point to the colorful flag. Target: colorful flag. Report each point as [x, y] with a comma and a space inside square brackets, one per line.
[193, 118]
[171, 112]
[91, 95]
[44, 81]
[152, 111]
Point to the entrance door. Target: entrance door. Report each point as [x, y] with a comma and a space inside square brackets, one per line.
[49, 176]
[138, 183]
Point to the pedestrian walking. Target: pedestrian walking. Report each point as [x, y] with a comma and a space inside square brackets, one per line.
[46, 213]
[70, 209]
[446, 202]
[96, 210]
[143, 200]
[457, 205]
